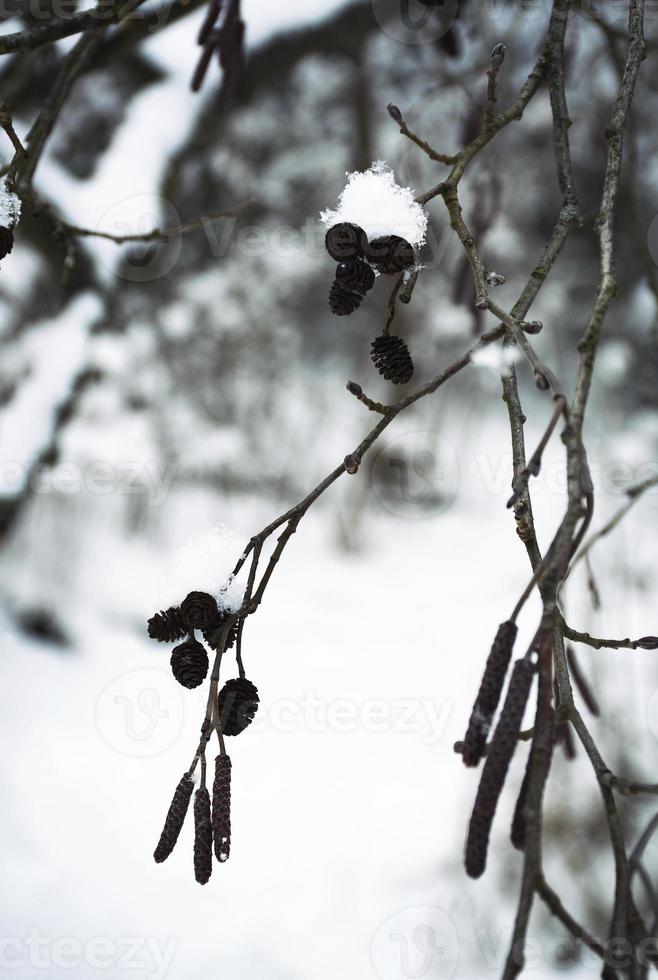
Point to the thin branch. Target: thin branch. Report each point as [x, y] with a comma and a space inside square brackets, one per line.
[628, 787]
[433, 154]
[496, 60]
[634, 494]
[157, 234]
[553, 903]
[597, 643]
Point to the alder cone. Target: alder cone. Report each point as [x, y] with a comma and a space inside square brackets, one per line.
[496, 766]
[213, 634]
[198, 610]
[175, 819]
[237, 704]
[202, 836]
[343, 301]
[6, 241]
[345, 241]
[221, 808]
[391, 254]
[189, 663]
[489, 693]
[391, 357]
[167, 626]
[355, 276]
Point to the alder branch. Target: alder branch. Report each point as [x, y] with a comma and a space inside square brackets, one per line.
[643, 643]
[433, 154]
[58, 28]
[634, 493]
[156, 234]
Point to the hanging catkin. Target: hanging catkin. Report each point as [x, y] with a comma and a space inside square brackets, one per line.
[488, 696]
[518, 831]
[202, 836]
[496, 765]
[221, 807]
[517, 834]
[174, 819]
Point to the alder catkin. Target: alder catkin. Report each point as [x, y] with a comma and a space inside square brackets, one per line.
[174, 819]
[496, 765]
[517, 834]
[488, 696]
[221, 808]
[202, 836]
[518, 829]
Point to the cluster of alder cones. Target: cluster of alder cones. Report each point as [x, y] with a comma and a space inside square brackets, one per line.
[237, 703]
[358, 259]
[238, 699]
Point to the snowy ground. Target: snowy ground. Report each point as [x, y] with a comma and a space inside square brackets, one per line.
[350, 806]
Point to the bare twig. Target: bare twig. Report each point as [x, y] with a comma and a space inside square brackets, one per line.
[433, 154]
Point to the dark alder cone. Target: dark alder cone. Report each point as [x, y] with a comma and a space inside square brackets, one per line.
[237, 703]
[496, 765]
[198, 610]
[356, 276]
[221, 808]
[213, 634]
[202, 836]
[167, 626]
[390, 254]
[189, 663]
[6, 241]
[391, 357]
[174, 820]
[343, 301]
[488, 696]
[346, 241]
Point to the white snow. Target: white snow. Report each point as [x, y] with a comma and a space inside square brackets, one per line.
[10, 206]
[496, 358]
[350, 805]
[204, 564]
[373, 200]
[54, 351]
